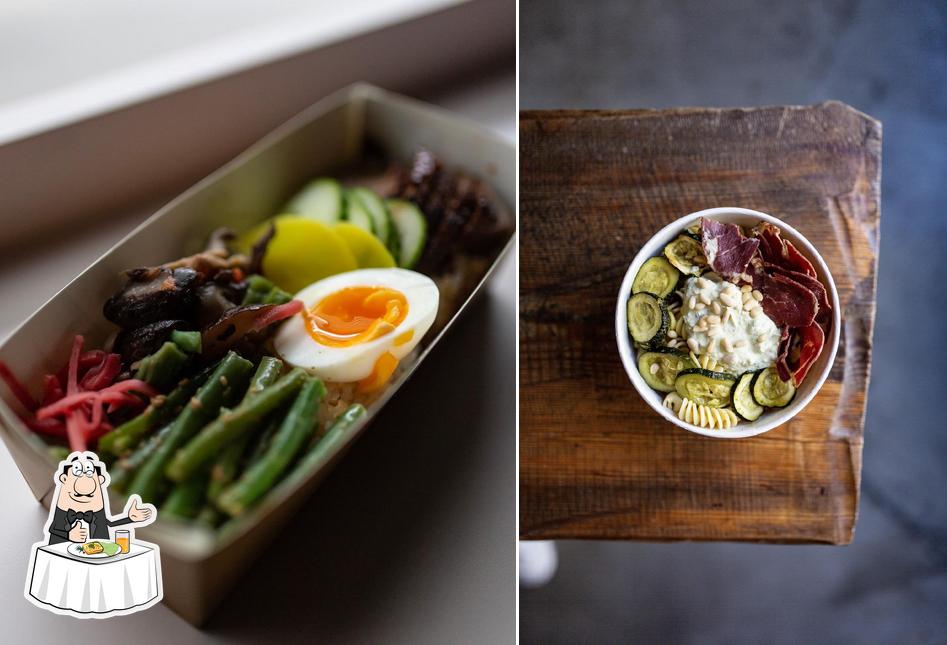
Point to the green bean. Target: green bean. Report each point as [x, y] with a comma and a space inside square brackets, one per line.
[266, 374]
[123, 439]
[187, 341]
[322, 450]
[288, 441]
[258, 288]
[121, 473]
[187, 498]
[162, 368]
[263, 440]
[230, 375]
[228, 427]
[209, 516]
[225, 468]
[277, 296]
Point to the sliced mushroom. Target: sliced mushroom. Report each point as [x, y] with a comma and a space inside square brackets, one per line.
[152, 295]
[239, 322]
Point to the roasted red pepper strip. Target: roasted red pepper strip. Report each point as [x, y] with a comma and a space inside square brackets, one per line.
[812, 340]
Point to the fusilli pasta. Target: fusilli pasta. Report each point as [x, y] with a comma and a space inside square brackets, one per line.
[700, 415]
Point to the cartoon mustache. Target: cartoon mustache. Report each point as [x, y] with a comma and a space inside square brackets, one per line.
[82, 494]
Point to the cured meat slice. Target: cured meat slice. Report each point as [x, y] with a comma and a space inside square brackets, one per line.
[813, 284]
[780, 252]
[785, 301]
[782, 368]
[812, 340]
[728, 251]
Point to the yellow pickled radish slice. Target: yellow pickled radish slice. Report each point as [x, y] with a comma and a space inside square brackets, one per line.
[369, 252]
[304, 251]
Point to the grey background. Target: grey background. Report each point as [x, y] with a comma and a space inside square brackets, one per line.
[888, 59]
[409, 540]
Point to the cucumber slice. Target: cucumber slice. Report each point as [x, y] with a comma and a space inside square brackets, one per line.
[670, 363]
[743, 401]
[356, 213]
[411, 230]
[686, 254]
[771, 391]
[321, 199]
[705, 387]
[656, 276]
[375, 207]
[647, 317]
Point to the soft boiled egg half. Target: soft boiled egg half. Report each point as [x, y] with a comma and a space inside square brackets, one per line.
[356, 326]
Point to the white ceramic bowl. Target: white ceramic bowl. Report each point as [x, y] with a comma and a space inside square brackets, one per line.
[817, 374]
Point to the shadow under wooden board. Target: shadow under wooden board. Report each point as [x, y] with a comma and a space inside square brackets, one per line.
[595, 460]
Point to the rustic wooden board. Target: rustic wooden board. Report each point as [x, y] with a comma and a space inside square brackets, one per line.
[595, 460]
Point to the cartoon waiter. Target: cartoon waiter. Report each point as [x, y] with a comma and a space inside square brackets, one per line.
[68, 573]
[81, 495]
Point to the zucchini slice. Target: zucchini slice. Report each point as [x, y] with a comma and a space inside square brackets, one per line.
[647, 317]
[686, 254]
[771, 391]
[656, 276]
[381, 219]
[670, 363]
[705, 387]
[743, 401]
[411, 230]
[357, 214]
[321, 199]
[693, 230]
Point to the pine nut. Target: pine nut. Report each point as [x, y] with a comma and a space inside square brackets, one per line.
[716, 307]
[758, 295]
[746, 288]
[704, 298]
[713, 331]
[727, 314]
[700, 306]
[746, 297]
[712, 319]
[703, 283]
[692, 343]
[672, 334]
[692, 302]
[727, 345]
[740, 343]
[654, 368]
[756, 311]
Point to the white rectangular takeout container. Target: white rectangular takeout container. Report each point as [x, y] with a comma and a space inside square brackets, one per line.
[199, 566]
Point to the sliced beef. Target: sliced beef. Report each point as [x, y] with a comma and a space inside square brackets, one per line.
[811, 342]
[813, 284]
[728, 251]
[780, 252]
[785, 301]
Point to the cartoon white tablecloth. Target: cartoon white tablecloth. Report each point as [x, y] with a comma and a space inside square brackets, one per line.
[86, 585]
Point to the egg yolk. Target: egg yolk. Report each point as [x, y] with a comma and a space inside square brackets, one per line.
[355, 315]
[382, 370]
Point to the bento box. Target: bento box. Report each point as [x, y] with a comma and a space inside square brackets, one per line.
[199, 565]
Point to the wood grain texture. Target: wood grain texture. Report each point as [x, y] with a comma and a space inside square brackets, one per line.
[595, 460]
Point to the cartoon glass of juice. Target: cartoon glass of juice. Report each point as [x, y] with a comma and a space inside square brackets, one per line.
[121, 539]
